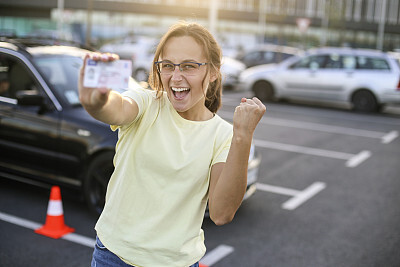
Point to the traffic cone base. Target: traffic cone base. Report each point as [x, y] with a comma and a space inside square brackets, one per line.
[54, 233]
[54, 226]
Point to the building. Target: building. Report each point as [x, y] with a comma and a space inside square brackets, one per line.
[356, 23]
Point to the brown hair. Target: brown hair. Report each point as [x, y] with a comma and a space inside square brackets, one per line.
[211, 50]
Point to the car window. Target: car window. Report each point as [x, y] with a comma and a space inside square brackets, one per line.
[4, 80]
[252, 56]
[62, 74]
[372, 63]
[333, 61]
[310, 62]
[284, 56]
[268, 57]
[14, 77]
[349, 62]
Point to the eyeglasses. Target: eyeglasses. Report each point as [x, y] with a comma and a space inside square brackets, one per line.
[187, 68]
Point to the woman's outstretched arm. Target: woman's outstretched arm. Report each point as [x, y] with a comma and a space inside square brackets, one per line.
[104, 104]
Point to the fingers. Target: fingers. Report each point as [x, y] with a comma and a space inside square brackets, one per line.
[104, 57]
[258, 101]
[253, 102]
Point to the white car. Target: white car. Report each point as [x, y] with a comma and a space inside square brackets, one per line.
[267, 54]
[139, 49]
[130, 46]
[231, 69]
[366, 79]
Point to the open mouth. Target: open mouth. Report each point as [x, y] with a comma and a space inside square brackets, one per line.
[180, 92]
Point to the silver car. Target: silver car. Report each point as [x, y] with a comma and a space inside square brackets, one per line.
[366, 79]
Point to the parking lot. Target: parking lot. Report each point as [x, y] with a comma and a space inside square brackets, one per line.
[327, 195]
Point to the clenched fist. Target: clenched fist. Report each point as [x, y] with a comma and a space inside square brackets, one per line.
[247, 115]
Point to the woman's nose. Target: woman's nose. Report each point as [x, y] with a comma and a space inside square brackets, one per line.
[176, 74]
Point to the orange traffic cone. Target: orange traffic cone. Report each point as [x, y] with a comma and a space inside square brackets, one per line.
[54, 226]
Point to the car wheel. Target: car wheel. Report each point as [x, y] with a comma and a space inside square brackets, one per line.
[364, 101]
[141, 75]
[96, 181]
[263, 90]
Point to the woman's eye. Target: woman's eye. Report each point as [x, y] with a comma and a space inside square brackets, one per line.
[167, 66]
[188, 66]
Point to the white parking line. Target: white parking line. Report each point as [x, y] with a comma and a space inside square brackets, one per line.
[19, 221]
[277, 189]
[357, 159]
[303, 196]
[80, 239]
[216, 254]
[389, 137]
[384, 137]
[209, 259]
[298, 197]
[352, 160]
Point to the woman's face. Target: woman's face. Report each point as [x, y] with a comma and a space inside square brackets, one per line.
[186, 92]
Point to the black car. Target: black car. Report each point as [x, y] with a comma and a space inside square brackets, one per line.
[45, 134]
[46, 137]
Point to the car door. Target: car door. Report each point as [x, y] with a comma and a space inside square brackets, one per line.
[317, 77]
[28, 133]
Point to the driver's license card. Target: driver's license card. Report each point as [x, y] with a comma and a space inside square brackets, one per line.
[113, 74]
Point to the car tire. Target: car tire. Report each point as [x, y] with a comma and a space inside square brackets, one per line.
[263, 90]
[96, 181]
[364, 101]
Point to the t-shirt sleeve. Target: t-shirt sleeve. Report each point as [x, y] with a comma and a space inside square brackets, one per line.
[222, 152]
[142, 97]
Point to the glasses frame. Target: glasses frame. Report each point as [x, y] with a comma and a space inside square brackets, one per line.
[177, 65]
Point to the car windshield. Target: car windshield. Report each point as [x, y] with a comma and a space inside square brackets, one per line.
[62, 73]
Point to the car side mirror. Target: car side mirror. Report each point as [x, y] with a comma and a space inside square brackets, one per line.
[29, 98]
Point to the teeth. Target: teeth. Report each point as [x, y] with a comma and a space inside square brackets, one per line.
[179, 89]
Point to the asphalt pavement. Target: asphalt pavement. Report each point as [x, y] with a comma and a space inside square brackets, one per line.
[327, 195]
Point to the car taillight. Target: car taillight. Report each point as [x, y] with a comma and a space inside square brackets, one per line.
[398, 85]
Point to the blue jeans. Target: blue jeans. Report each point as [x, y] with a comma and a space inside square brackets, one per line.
[102, 257]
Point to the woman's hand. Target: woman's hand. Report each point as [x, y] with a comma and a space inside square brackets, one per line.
[247, 115]
[94, 98]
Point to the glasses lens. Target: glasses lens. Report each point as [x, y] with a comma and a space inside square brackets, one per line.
[189, 68]
[165, 67]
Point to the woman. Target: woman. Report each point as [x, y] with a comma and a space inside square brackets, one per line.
[174, 154]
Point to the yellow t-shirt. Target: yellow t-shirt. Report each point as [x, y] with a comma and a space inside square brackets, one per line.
[157, 195]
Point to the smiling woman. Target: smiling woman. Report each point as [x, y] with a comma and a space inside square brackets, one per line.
[208, 60]
[174, 155]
